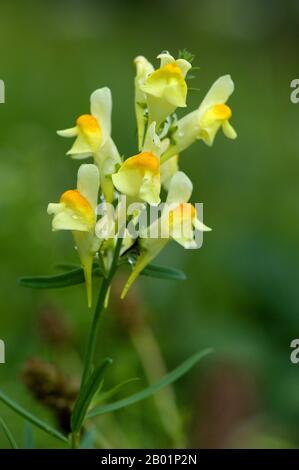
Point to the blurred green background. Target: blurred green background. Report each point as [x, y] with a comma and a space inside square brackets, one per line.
[241, 296]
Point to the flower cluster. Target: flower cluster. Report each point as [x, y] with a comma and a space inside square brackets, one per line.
[138, 179]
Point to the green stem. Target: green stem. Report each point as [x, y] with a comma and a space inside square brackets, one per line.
[97, 313]
[94, 331]
[75, 440]
[93, 334]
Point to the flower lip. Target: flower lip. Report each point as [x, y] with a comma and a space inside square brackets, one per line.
[168, 72]
[222, 111]
[171, 69]
[144, 161]
[74, 200]
[87, 122]
[90, 132]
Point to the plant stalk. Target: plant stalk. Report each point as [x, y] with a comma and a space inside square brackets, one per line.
[75, 440]
[94, 331]
[93, 334]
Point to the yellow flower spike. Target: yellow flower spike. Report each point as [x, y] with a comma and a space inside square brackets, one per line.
[166, 88]
[204, 123]
[76, 212]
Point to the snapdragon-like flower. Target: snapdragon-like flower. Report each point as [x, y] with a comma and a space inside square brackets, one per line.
[204, 122]
[178, 222]
[76, 211]
[165, 88]
[139, 176]
[93, 138]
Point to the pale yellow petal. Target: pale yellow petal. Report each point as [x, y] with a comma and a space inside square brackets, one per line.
[199, 225]
[88, 183]
[184, 65]
[150, 189]
[101, 108]
[228, 130]
[128, 182]
[165, 58]
[143, 69]
[66, 220]
[72, 132]
[180, 189]
[80, 149]
[159, 109]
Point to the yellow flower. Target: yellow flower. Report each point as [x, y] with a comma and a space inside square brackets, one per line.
[178, 222]
[166, 88]
[76, 211]
[214, 118]
[93, 138]
[78, 207]
[139, 176]
[204, 123]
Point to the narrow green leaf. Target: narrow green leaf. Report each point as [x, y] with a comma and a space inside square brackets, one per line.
[104, 396]
[69, 278]
[147, 392]
[31, 418]
[8, 434]
[86, 395]
[164, 272]
[66, 279]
